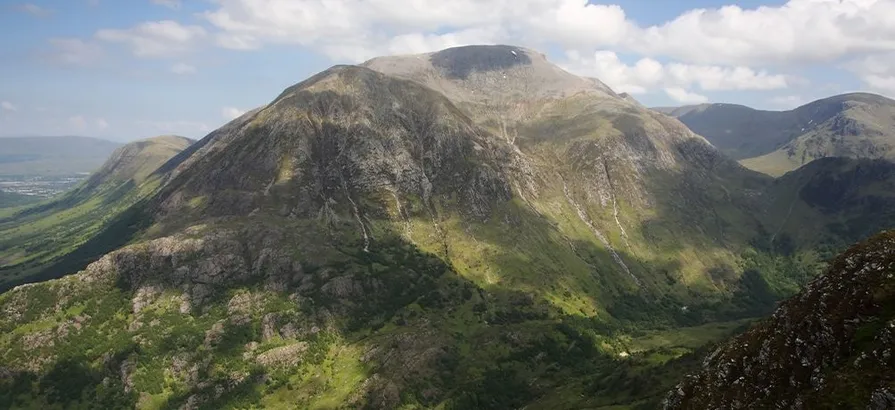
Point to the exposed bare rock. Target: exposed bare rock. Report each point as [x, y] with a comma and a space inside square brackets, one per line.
[286, 356]
[828, 347]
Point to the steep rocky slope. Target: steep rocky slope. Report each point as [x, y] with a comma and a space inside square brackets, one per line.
[829, 347]
[857, 125]
[36, 239]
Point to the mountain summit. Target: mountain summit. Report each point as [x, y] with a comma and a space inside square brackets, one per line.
[488, 73]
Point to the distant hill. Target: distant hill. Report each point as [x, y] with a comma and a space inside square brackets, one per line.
[857, 125]
[50, 156]
[48, 233]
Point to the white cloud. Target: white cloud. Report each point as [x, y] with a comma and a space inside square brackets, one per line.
[77, 122]
[73, 51]
[8, 106]
[231, 113]
[647, 74]
[156, 38]
[390, 26]
[685, 97]
[171, 4]
[799, 31]
[34, 10]
[102, 124]
[876, 71]
[183, 69]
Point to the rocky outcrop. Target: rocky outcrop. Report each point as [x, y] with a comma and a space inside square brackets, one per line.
[831, 346]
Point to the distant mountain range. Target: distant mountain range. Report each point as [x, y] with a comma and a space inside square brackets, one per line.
[53, 156]
[857, 125]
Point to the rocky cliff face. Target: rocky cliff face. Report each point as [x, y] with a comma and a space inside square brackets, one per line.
[830, 346]
[449, 147]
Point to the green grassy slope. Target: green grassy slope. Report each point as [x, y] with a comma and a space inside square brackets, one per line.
[389, 327]
[37, 237]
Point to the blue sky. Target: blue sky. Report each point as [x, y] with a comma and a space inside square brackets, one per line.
[130, 69]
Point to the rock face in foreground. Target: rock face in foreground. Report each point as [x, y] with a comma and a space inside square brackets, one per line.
[831, 346]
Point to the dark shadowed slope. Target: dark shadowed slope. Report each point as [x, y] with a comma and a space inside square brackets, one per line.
[829, 347]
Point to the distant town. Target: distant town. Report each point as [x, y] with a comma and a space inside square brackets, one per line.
[40, 186]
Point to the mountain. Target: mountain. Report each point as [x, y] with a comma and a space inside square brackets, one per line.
[52, 156]
[470, 228]
[39, 240]
[629, 98]
[857, 125]
[829, 347]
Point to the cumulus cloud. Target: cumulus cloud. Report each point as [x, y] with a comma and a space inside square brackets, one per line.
[704, 49]
[799, 31]
[231, 113]
[8, 106]
[73, 51]
[685, 97]
[877, 72]
[156, 38]
[183, 69]
[390, 26]
[101, 123]
[647, 73]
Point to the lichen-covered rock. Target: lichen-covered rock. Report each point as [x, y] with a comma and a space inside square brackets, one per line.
[827, 347]
[286, 356]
